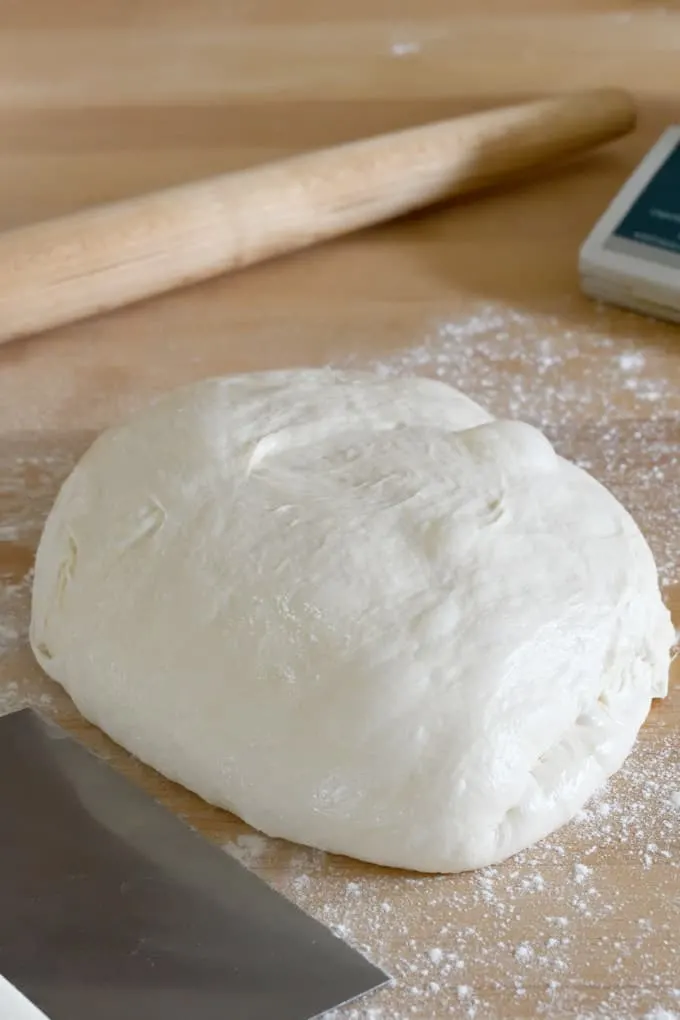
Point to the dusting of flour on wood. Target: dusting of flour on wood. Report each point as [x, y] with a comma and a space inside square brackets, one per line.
[468, 945]
[515, 930]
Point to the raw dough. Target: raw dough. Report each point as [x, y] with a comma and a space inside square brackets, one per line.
[358, 612]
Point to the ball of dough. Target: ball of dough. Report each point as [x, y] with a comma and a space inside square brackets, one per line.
[358, 612]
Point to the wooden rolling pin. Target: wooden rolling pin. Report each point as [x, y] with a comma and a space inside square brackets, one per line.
[107, 256]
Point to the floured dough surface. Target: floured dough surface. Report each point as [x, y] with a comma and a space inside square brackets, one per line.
[358, 612]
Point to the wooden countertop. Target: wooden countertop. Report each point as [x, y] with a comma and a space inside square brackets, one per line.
[102, 99]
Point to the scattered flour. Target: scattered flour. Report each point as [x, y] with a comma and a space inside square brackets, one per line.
[659, 1013]
[470, 945]
[524, 953]
[404, 49]
[249, 848]
[582, 871]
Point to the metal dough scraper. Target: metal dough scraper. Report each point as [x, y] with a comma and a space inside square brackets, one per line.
[111, 908]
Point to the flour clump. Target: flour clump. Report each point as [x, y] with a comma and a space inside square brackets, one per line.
[358, 612]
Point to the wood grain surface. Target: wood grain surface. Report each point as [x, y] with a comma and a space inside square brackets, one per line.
[102, 99]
